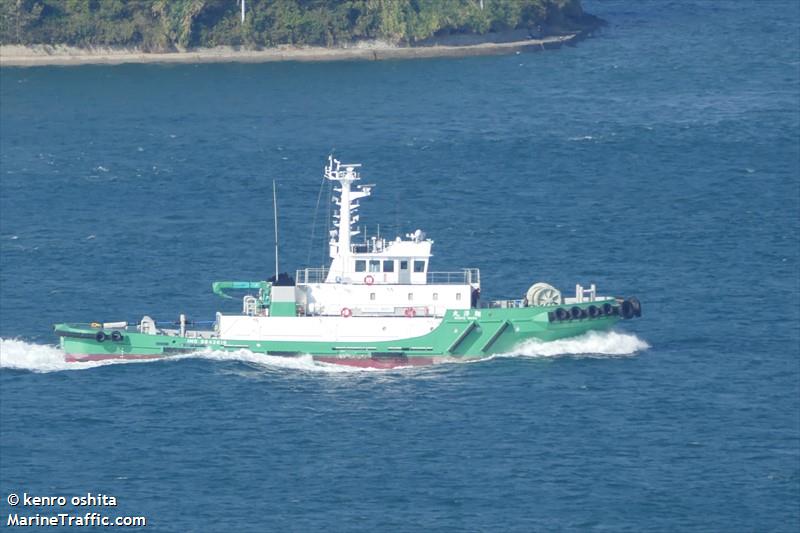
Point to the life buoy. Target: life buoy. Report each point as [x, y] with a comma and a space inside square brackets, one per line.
[346, 312]
[411, 312]
[369, 280]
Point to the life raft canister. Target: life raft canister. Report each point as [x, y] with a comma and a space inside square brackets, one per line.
[346, 312]
[410, 312]
[369, 280]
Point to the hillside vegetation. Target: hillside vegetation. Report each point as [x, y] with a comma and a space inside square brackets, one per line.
[160, 25]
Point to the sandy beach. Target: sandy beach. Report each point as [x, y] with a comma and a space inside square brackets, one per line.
[45, 55]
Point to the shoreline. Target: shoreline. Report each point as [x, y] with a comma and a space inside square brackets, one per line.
[59, 55]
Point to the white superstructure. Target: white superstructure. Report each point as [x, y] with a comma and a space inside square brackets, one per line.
[378, 277]
[376, 290]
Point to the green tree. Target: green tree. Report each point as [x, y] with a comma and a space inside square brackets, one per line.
[170, 24]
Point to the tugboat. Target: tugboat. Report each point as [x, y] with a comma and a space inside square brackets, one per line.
[378, 305]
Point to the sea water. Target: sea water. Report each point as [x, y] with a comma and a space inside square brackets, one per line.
[658, 159]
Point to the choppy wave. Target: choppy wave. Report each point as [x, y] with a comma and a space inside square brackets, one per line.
[21, 355]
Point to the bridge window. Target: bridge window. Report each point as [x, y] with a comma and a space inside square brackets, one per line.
[458, 296]
[374, 265]
[361, 265]
[419, 266]
[403, 265]
[388, 266]
[372, 296]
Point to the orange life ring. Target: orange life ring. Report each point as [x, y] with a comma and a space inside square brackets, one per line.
[411, 312]
[346, 312]
[369, 280]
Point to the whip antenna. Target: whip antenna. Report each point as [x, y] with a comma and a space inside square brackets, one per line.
[275, 210]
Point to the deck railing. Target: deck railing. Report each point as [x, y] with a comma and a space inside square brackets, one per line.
[501, 304]
[460, 277]
[311, 275]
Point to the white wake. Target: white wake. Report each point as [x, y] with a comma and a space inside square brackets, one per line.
[592, 344]
[300, 363]
[21, 355]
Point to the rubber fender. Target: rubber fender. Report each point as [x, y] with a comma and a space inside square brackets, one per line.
[100, 336]
[594, 311]
[551, 316]
[116, 336]
[626, 308]
[636, 305]
[562, 314]
[608, 309]
[577, 312]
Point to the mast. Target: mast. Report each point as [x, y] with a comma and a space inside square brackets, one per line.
[346, 175]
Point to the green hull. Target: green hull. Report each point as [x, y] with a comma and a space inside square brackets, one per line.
[469, 334]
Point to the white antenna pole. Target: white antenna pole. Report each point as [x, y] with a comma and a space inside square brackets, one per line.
[243, 1]
[275, 210]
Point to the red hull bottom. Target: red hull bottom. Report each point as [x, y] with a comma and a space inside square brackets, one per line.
[378, 362]
[360, 362]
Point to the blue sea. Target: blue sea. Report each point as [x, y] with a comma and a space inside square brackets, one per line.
[659, 158]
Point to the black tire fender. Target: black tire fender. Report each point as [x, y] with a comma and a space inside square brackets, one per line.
[100, 336]
[626, 308]
[636, 305]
